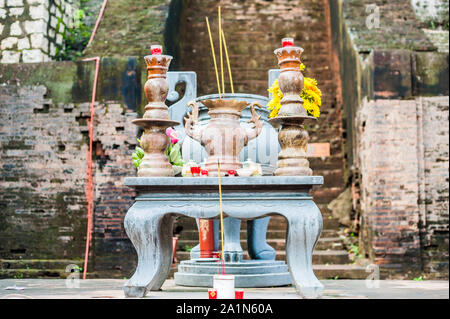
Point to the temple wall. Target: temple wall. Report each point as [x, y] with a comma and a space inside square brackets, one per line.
[403, 158]
[395, 101]
[32, 30]
[44, 109]
[431, 10]
[434, 180]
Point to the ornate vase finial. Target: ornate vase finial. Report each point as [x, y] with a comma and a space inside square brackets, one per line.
[291, 79]
[156, 88]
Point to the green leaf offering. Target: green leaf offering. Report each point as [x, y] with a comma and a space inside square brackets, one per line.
[174, 154]
[140, 152]
[137, 162]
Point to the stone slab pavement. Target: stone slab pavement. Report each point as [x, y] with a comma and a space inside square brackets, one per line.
[112, 288]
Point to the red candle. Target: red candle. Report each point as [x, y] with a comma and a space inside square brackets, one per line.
[195, 170]
[239, 294]
[288, 42]
[156, 49]
[212, 293]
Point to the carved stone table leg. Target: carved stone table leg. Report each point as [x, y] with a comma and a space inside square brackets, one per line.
[151, 234]
[232, 247]
[256, 240]
[304, 228]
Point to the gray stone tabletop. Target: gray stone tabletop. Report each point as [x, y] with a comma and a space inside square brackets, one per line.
[225, 181]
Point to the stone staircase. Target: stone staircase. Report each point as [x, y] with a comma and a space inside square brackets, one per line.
[330, 258]
[36, 268]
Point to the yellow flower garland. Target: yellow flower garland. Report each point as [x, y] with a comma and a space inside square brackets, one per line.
[311, 95]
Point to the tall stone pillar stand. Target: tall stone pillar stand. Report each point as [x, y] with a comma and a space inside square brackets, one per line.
[206, 234]
[156, 120]
[292, 136]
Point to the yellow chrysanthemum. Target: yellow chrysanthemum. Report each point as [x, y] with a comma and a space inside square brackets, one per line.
[311, 95]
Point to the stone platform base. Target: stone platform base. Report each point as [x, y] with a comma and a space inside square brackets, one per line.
[248, 273]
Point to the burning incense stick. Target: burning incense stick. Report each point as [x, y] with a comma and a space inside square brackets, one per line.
[221, 55]
[228, 62]
[214, 55]
[221, 215]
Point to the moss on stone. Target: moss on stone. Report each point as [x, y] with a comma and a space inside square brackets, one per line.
[128, 28]
[66, 82]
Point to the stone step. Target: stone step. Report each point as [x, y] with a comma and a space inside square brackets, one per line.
[344, 271]
[271, 234]
[330, 257]
[35, 273]
[193, 234]
[279, 223]
[276, 223]
[323, 271]
[8, 264]
[277, 244]
[319, 256]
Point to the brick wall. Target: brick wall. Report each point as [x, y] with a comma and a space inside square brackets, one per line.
[43, 153]
[387, 149]
[403, 158]
[115, 140]
[431, 10]
[43, 158]
[31, 30]
[397, 148]
[433, 115]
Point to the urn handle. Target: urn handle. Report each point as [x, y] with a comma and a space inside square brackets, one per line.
[191, 121]
[257, 123]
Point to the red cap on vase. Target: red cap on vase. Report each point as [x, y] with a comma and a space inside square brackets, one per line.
[287, 42]
[156, 49]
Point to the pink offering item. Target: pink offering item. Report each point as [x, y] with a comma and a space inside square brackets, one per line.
[173, 135]
[195, 171]
[204, 172]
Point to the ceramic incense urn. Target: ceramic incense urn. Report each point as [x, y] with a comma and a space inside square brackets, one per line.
[292, 136]
[156, 119]
[223, 138]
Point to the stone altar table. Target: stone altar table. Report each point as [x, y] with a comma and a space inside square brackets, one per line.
[149, 222]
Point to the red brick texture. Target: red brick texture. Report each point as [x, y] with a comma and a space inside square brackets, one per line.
[404, 183]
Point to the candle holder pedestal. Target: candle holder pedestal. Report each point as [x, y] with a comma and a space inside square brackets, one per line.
[293, 137]
[156, 119]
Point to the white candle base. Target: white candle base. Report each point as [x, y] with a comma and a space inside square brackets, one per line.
[224, 284]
